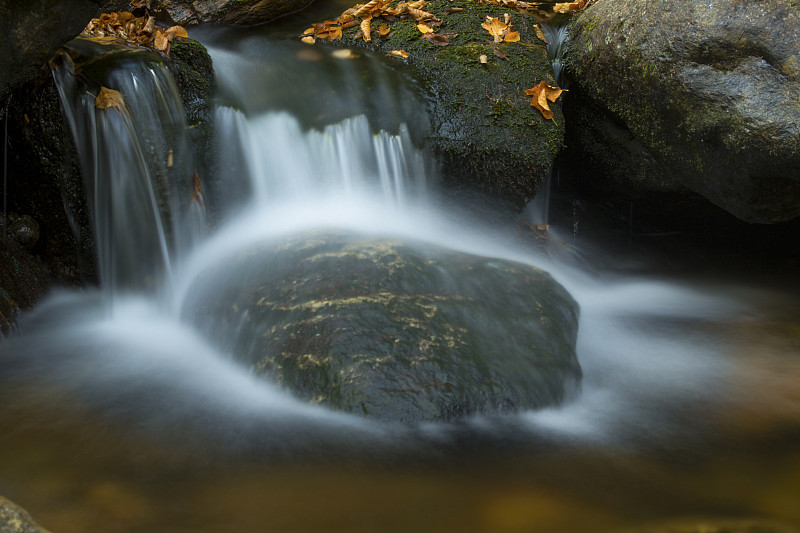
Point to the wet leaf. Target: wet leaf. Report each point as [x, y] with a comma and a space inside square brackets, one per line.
[424, 28]
[177, 31]
[366, 30]
[161, 41]
[383, 30]
[197, 190]
[344, 53]
[308, 39]
[500, 30]
[109, 98]
[399, 53]
[439, 39]
[541, 94]
[499, 53]
[540, 34]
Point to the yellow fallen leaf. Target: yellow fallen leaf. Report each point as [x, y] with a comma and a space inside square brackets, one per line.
[541, 94]
[399, 53]
[384, 30]
[308, 39]
[500, 30]
[423, 28]
[483, 59]
[540, 34]
[344, 53]
[109, 98]
[161, 42]
[309, 31]
[177, 31]
[511, 37]
[365, 29]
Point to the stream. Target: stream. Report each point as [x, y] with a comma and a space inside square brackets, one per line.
[122, 415]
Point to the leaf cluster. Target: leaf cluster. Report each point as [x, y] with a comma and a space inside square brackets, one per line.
[135, 30]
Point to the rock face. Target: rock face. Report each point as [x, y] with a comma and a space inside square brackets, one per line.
[14, 519]
[31, 32]
[484, 131]
[702, 95]
[239, 12]
[394, 331]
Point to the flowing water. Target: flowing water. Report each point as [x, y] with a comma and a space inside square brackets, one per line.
[120, 415]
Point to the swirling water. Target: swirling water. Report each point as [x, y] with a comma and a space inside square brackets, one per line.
[125, 417]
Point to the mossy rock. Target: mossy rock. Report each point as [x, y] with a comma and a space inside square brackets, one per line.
[394, 331]
[691, 95]
[483, 129]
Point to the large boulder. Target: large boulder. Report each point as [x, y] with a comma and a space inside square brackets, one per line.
[238, 12]
[393, 331]
[483, 129]
[31, 32]
[701, 95]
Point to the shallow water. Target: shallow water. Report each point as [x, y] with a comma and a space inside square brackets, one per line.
[127, 418]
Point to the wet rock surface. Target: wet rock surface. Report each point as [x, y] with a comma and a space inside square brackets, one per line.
[696, 95]
[394, 331]
[14, 519]
[238, 12]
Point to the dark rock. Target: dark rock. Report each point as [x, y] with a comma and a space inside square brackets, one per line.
[672, 94]
[484, 131]
[238, 12]
[394, 331]
[23, 281]
[31, 32]
[15, 519]
[718, 526]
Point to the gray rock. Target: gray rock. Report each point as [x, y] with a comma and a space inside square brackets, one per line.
[14, 519]
[239, 12]
[393, 331]
[702, 95]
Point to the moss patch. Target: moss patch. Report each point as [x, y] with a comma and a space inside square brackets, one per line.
[484, 130]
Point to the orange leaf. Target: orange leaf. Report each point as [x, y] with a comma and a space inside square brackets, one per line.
[424, 28]
[161, 41]
[308, 39]
[399, 53]
[501, 31]
[540, 34]
[366, 30]
[384, 30]
[541, 94]
[109, 98]
[177, 31]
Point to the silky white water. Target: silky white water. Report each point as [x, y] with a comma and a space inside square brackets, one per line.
[655, 369]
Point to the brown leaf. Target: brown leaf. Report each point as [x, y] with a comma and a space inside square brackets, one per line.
[500, 30]
[197, 189]
[454, 10]
[368, 8]
[438, 39]
[541, 94]
[499, 53]
[366, 30]
[399, 53]
[161, 41]
[177, 31]
[109, 98]
[383, 30]
[540, 34]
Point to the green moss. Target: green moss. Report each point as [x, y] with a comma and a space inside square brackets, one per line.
[479, 112]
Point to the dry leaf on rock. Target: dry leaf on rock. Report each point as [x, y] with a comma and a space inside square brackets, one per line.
[366, 30]
[109, 98]
[423, 28]
[499, 53]
[540, 34]
[483, 59]
[399, 53]
[500, 30]
[541, 94]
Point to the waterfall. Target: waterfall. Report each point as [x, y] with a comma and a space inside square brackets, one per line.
[135, 159]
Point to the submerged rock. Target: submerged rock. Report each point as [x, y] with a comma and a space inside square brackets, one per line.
[701, 95]
[394, 331]
[239, 12]
[15, 519]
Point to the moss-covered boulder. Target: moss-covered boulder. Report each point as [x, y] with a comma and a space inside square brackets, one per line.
[701, 95]
[484, 131]
[238, 12]
[394, 331]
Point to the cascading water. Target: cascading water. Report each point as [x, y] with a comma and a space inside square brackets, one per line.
[146, 408]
